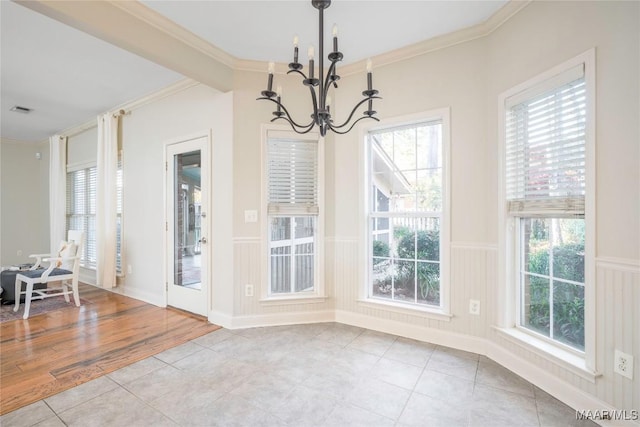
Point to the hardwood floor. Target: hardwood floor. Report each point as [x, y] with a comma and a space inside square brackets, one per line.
[53, 352]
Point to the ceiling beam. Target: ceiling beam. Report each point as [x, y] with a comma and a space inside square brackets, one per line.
[140, 30]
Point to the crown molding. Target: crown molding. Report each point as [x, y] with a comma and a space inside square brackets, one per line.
[505, 13]
[132, 105]
[464, 35]
[174, 30]
[162, 30]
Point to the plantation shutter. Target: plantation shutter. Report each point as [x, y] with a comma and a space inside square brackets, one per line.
[545, 147]
[293, 176]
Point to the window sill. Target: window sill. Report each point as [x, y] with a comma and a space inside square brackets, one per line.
[431, 313]
[293, 299]
[562, 358]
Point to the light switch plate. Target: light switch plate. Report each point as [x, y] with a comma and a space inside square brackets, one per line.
[251, 216]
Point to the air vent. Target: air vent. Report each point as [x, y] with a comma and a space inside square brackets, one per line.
[19, 109]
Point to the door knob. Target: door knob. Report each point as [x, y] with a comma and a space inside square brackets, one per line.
[203, 240]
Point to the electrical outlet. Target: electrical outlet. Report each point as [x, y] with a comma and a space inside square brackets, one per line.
[129, 269]
[623, 364]
[474, 307]
[248, 290]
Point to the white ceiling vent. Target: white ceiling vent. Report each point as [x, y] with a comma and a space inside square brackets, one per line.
[19, 109]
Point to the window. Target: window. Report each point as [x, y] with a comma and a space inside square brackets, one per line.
[545, 178]
[119, 212]
[406, 213]
[293, 210]
[81, 210]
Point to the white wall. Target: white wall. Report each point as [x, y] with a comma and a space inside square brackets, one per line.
[468, 77]
[454, 77]
[24, 201]
[144, 134]
[249, 116]
[82, 149]
[547, 33]
[177, 112]
[541, 36]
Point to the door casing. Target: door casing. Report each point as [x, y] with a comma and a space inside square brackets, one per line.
[177, 296]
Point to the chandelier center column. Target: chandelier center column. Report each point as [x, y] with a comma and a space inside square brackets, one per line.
[321, 64]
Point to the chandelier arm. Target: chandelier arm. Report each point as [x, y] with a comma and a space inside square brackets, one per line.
[302, 132]
[286, 112]
[353, 112]
[314, 100]
[326, 80]
[304, 76]
[352, 125]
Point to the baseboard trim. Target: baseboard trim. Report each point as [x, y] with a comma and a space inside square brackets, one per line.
[277, 319]
[220, 319]
[561, 390]
[565, 392]
[148, 297]
[420, 333]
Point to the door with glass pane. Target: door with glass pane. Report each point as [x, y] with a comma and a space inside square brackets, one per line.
[187, 166]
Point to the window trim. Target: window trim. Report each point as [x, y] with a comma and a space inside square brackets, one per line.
[508, 298]
[319, 292]
[365, 251]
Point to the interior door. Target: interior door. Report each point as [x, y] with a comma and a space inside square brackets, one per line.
[187, 166]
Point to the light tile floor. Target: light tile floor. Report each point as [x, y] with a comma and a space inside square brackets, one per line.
[305, 375]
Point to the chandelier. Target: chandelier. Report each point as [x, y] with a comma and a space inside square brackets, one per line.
[319, 87]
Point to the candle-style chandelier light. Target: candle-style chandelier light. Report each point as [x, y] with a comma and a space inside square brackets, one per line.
[321, 101]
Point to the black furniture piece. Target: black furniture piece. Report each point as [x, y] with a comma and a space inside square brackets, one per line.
[8, 281]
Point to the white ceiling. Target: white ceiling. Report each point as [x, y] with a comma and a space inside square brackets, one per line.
[264, 30]
[68, 77]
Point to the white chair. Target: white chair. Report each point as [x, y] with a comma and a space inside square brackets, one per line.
[63, 268]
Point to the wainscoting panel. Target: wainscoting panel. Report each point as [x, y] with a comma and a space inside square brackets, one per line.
[617, 324]
[248, 271]
[473, 276]
[247, 266]
[472, 268]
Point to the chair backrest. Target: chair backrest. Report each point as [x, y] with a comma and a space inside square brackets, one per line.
[77, 237]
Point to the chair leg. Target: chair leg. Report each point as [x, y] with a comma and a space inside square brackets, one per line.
[65, 289]
[76, 293]
[16, 294]
[27, 299]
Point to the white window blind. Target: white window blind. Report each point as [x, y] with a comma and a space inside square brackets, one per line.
[81, 210]
[293, 176]
[545, 147]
